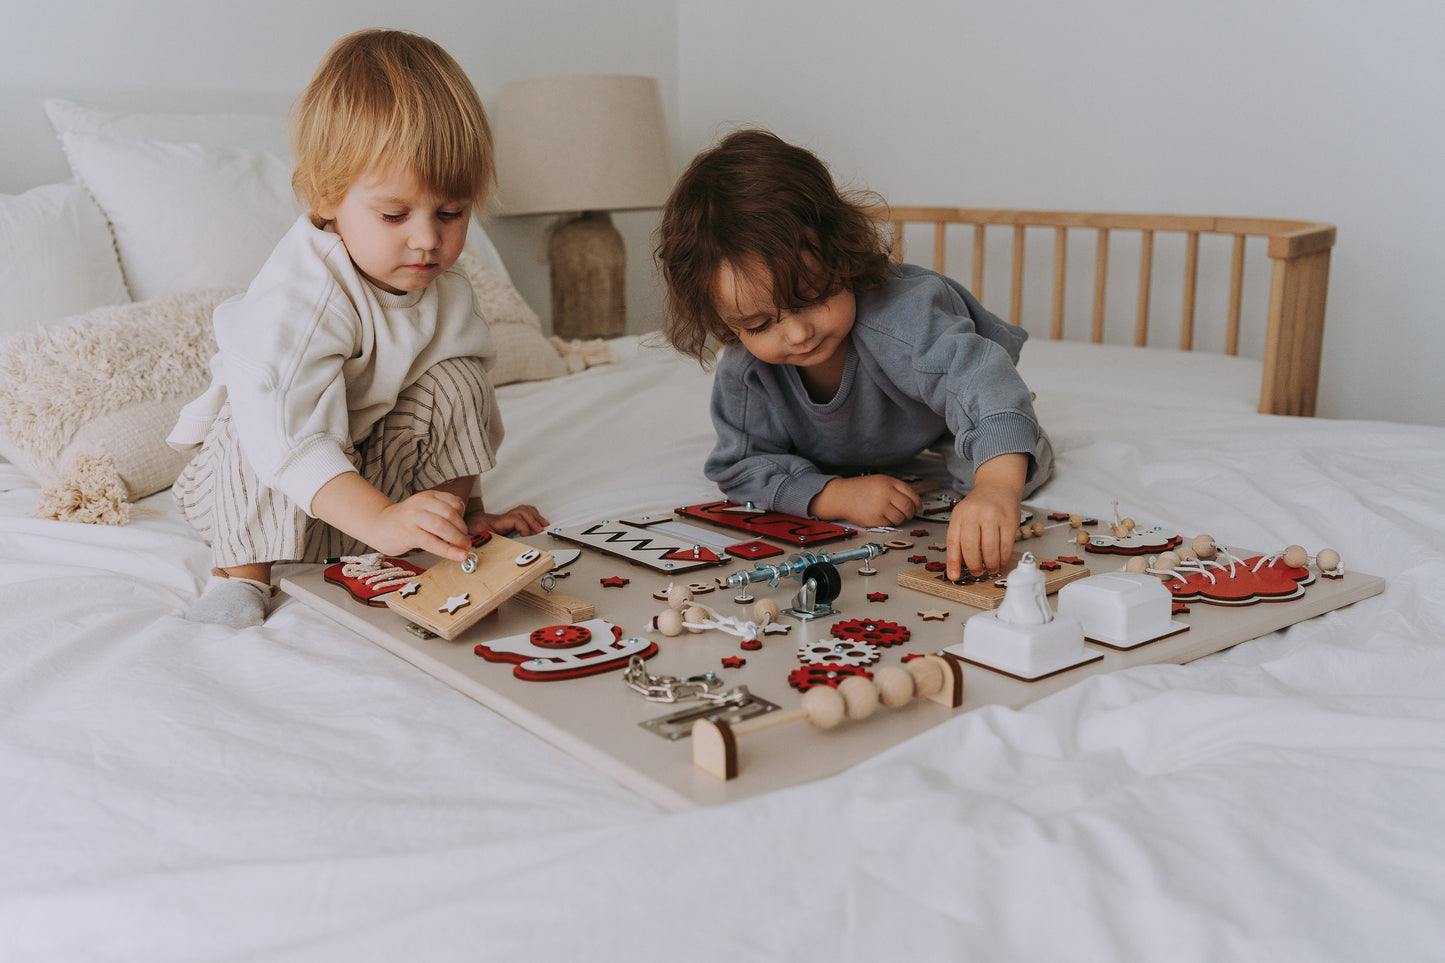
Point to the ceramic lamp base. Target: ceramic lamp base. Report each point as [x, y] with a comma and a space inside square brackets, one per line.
[588, 271]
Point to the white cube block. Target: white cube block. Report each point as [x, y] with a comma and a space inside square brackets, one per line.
[1120, 607]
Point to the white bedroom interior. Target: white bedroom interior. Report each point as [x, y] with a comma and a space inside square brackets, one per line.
[1263, 785]
[1311, 110]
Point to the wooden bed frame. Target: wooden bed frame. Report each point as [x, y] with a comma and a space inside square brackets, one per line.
[1294, 327]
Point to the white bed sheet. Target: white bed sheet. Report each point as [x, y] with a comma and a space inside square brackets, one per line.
[171, 791]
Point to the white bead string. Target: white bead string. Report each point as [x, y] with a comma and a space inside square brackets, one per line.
[368, 570]
[747, 631]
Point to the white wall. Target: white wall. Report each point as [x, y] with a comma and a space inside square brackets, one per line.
[1314, 109]
[193, 55]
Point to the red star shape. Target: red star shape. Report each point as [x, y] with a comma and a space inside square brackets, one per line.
[614, 581]
[1048, 566]
[917, 559]
[1178, 608]
[733, 662]
[1058, 516]
[919, 532]
[877, 596]
[1071, 559]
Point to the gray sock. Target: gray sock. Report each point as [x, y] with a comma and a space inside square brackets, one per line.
[237, 602]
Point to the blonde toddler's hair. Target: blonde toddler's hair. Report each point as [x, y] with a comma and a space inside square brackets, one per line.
[386, 100]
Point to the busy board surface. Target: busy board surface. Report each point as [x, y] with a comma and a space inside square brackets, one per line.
[601, 720]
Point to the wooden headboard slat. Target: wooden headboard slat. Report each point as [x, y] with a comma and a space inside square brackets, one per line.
[1299, 280]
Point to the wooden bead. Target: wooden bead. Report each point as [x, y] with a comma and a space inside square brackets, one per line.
[860, 696]
[694, 613]
[765, 611]
[823, 706]
[669, 622]
[1024, 531]
[1204, 546]
[927, 677]
[1185, 553]
[678, 596]
[1137, 564]
[1296, 557]
[1075, 521]
[1082, 538]
[1167, 561]
[1128, 524]
[1038, 528]
[1328, 560]
[895, 686]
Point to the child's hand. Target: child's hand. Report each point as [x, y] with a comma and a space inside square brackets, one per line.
[982, 527]
[522, 520]
[430, 520]
[868, 500]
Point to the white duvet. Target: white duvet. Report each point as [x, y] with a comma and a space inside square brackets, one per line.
[171, 791]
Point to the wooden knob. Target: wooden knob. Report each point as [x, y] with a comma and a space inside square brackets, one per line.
[860, 696]
[1204, 546]
[1328, 560]
[927, 677]
[824, 706]
[895, 685]
[1296, 557]
[678, 596]
[765, 611]
[669, 622]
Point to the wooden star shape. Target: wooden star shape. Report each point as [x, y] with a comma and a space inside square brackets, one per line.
[733, 662]
[776, 628]
[932, 615]
[877, 596]
[455, 602]
[938, 547]
[614, 581]
[410, 588]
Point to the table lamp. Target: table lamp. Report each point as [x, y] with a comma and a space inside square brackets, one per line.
[582, 147]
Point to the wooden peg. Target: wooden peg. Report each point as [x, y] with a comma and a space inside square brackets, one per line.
[933, 677]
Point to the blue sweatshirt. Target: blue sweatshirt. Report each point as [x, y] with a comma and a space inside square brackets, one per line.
[927, 366]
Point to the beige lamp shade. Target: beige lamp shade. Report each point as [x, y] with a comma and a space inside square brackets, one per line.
[584, 143]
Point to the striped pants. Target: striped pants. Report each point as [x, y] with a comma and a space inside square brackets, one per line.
[444, 426]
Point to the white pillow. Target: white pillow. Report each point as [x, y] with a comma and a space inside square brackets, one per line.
[266, 132]
[185, 216]
[138, 185]
[56, 258]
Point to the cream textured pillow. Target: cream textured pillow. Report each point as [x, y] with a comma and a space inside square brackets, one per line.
[523, 351]
[56, 258]
[111, 381]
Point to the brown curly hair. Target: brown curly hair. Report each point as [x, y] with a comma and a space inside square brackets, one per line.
[756, 198]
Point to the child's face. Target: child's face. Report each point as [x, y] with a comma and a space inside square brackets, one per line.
[399, 235]
[815, 335]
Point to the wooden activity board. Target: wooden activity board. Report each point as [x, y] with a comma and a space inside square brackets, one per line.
[600, 720]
